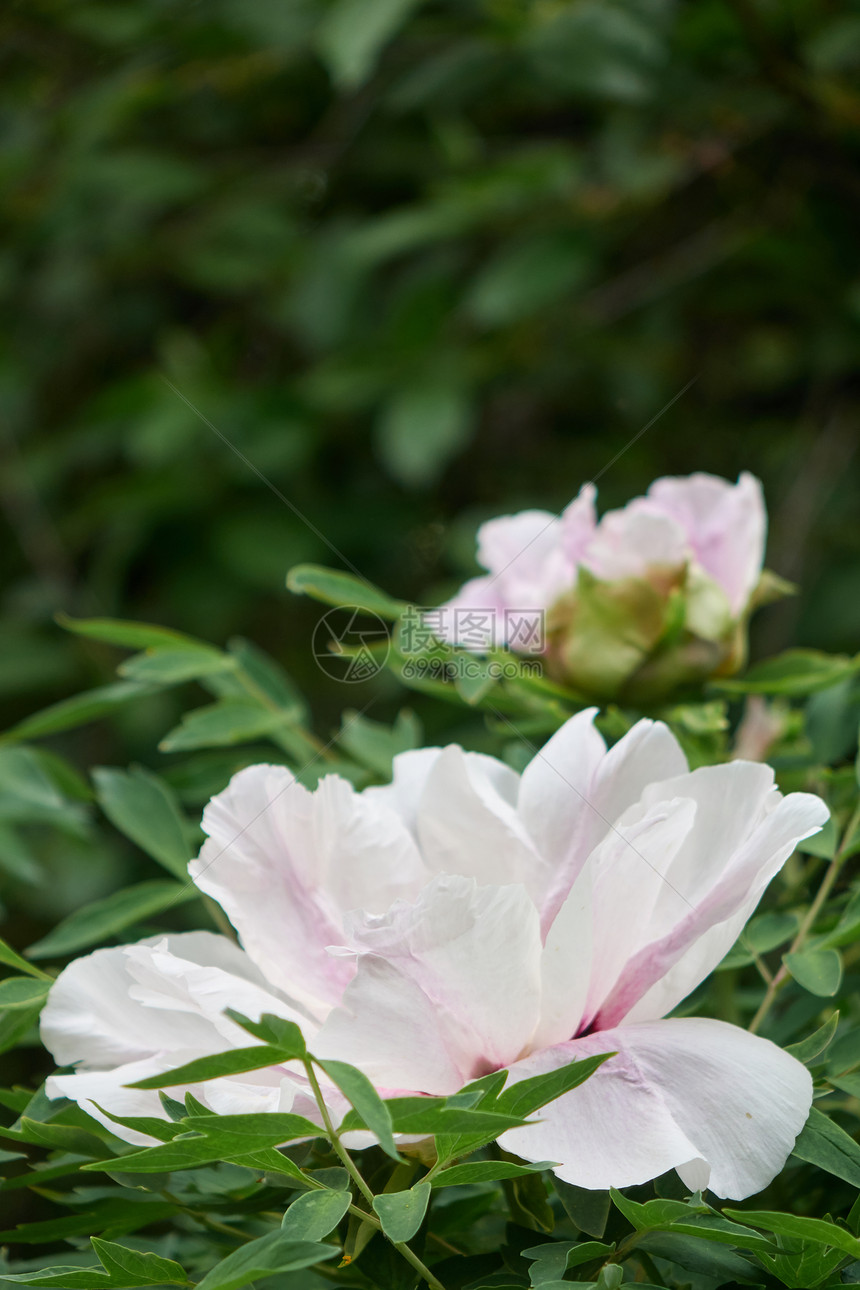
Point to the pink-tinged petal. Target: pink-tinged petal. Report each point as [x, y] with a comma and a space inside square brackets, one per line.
[555, 789]
[631, 871]
[474, 954]
[468, 824]
[630, 542]
[574, 791]
[722, 1106]
[578, 523]
[726, 525]
[524, 554]
[723, 873]
[313, 855]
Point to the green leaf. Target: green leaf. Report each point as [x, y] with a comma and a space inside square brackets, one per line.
[529, 1095]
[128, 635]
[233, 1062]
[274, 1030]
[807, 1050]
[422, 426]
[401, 1213]
[818, 971]
[269, 678]
[254, 1131]
[104, 918]
[425, 1116]
[133, 1268]
[264, 1258]
[375, 744]
[361, 1094]
[589, 1210]
[551, 1261]
[172, 666]
[825, 1144]
[142, 807]
[22, 992]
[486, 1171]
[687, 1218]
[315, 1214]
[352, 35]
[79, 710]
[222, 724]
[333, 587]
[797, 671]
[800, 1228]
[13, 960]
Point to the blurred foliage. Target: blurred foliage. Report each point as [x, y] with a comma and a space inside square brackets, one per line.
[401, 257]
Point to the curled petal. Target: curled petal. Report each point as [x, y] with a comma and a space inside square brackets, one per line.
[721, 1106]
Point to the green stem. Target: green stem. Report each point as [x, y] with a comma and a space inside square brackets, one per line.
[343, 1155]
[827, 884]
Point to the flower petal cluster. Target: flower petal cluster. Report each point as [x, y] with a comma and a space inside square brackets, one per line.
[463, 919]
[649, 598]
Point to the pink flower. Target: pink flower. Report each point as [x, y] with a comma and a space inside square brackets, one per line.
[464, 919]
[648, 598]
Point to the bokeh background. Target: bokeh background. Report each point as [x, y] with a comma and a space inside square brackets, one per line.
[415, 264]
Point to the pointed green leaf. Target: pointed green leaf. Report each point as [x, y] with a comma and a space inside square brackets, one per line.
[264, 1258]
[22, 992]
[815, 1045]
[142, 807]
[220, 725]
[315, 1214]
[233, 1062]
[13, 960]
[172, 666]
[486, 1171]
[80, 710]
[275, 1030]
[818, 971]
[800, 1228]
[333, 587]
[401, 1213]
[132, 1268]
[104, 918]
[529, 1095]
[361, 1094]
[825, 1144]
[127, 635]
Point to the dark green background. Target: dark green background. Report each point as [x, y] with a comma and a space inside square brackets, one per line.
[420, 264]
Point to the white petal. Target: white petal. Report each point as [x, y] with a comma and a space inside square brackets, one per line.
[525, 555]
[474, 954]
[679, 1091]
[284, 864]
[91, 1016]
[565, 967]
[630, 542]
[467, 824]
[578, 521]
[670, 968]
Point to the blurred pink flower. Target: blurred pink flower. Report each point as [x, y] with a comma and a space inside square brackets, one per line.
[464, 919]
[648, 598]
